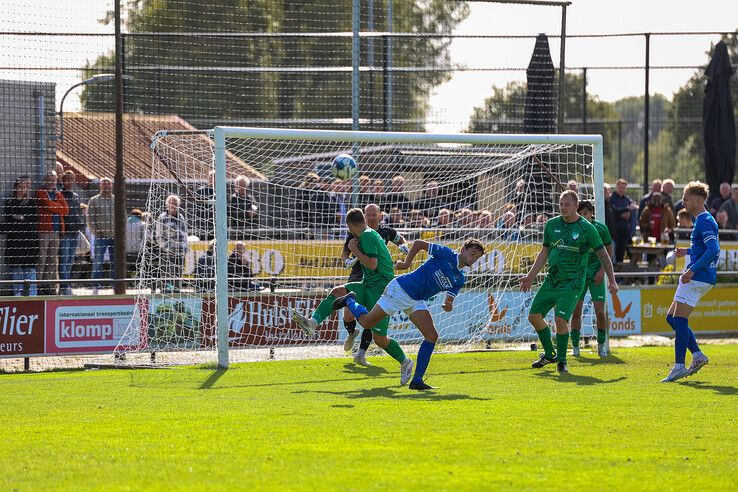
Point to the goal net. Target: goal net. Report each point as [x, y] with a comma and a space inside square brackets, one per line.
[245, 225]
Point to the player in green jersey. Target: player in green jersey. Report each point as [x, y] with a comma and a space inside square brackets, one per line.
[567, 240]
[595, 283]
[376, 262]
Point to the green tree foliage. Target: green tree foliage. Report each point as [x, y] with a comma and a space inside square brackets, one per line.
[208, 80]
[503, 111]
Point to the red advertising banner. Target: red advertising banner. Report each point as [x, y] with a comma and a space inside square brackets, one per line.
[86, 326]
[265, 320]
[21, 328]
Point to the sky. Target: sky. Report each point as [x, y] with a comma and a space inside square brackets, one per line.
[453, 101]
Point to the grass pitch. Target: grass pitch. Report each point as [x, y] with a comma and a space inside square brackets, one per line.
[494, 423]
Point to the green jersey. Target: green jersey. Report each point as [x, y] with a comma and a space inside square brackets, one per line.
[593, 263]
[569, 245]
[372, 245]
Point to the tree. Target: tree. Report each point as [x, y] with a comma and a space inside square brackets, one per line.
[209, 80]
[502, 112]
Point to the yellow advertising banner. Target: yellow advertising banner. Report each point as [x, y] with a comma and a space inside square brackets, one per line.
[304, 258]
[716, 312]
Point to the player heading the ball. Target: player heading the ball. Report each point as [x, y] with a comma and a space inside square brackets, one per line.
[441, 272]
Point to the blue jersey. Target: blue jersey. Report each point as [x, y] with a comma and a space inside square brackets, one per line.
[704, 249]
[440, 272]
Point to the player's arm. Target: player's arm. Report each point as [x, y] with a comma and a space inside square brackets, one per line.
[606, 263]
[367, 261]
[600, 275]
[711, 253]
[538, 265]
[401, 243]
[448, 304]
[418, 245]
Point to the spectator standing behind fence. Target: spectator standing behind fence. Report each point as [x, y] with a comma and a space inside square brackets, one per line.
[622, 208]
[52, 209]
[646, 199]
[242, 209]
[340, 197]
[314, 207]
[431, 203]
[657, 220]
[717, 201]
[730, 207]
[609, 217]
[366, 190]
[684, 221]
[20, 224]
[101, 219]
[171, 235]
[74, 224]
[239, 270]
[723, 222]
[667, 190]
[204, 212]
[135, 235]
[205, 270]
[396, 197]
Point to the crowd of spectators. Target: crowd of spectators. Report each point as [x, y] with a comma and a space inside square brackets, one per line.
[658, 215]
[48, 229]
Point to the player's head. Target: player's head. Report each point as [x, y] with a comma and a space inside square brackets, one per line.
[568, 202]
[372, 215]
[695, 194]
[586, 209]
[355, 221]
[471, 251]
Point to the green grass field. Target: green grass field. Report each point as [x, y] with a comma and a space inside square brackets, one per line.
[325, 424]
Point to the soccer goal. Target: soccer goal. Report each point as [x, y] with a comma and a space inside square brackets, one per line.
[246, 224]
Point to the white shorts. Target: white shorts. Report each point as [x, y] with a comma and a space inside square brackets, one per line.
[691, 293]
[394, 298]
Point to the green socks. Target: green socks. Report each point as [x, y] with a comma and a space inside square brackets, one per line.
[325, 308]
[395, 351]
[562, 343]
[575, 338]
[601, 336]
[545, 337]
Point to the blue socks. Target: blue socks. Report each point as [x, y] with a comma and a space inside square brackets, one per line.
[356, 309]
[424, 355]
[685, 338]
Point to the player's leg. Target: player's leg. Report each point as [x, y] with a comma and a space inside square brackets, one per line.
[562, 343]
[685, 299]
[324, 309]
[601, 317]
[349, 322]
[393, 299]
[542, 304]
[598, 293]
[372, 296]
[423, 320]
[576, 322]
[565, 303]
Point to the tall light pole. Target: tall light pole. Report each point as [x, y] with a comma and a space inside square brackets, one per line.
[102, 77]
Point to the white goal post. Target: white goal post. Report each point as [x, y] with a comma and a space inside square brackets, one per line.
[222, 135]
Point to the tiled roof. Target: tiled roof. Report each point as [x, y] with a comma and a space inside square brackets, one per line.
[89, 146]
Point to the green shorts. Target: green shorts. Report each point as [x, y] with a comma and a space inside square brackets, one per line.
[368, 297]
[563, 298]
[596, 291]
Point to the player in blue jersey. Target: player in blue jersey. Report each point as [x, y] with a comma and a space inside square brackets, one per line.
[442, 271]
[695, 282]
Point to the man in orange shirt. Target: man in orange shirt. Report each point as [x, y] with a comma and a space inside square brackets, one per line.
[52, 208]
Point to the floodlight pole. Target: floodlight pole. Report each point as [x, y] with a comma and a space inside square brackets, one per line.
[562, 71]
[102, 77]
[119, 185]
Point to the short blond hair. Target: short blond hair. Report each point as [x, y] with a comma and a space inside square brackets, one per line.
[697, 188]
[570, 193]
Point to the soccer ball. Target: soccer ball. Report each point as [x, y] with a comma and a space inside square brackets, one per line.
[344, 167]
